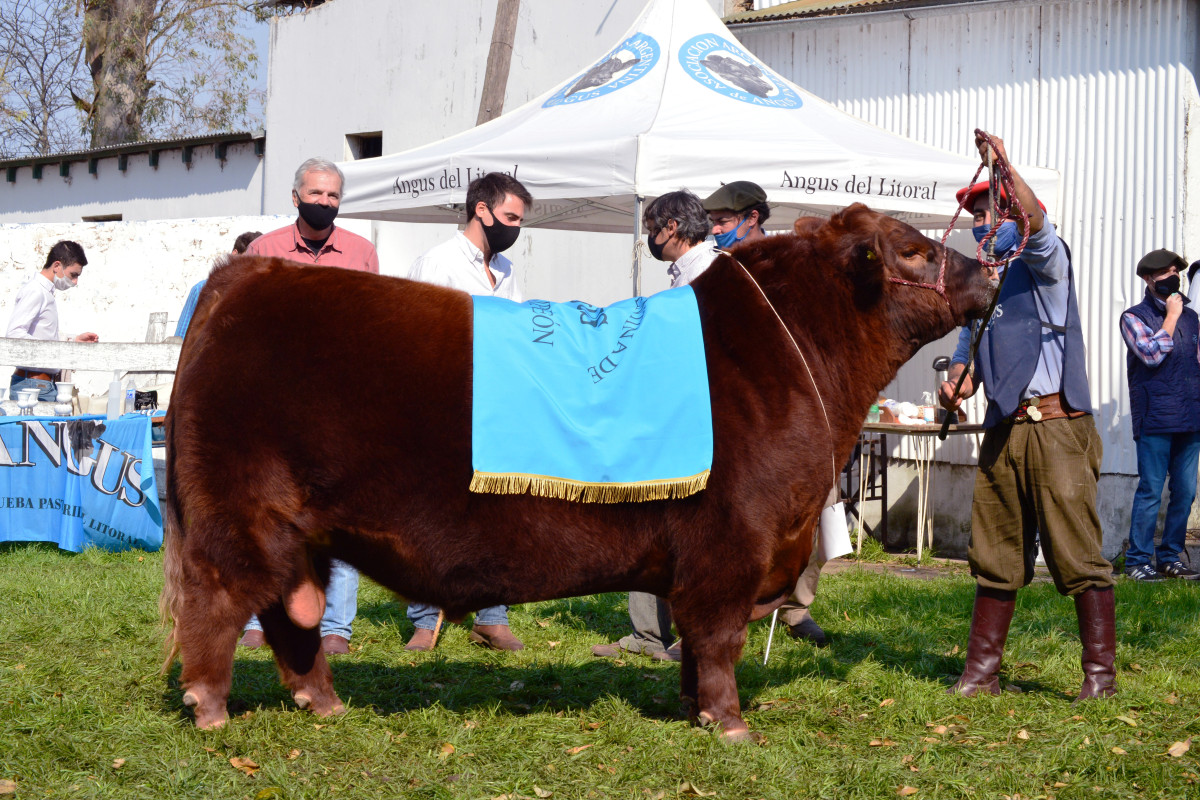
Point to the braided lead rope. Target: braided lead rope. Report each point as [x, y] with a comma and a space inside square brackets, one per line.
[803, 360]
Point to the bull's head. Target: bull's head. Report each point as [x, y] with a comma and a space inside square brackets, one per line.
[879, 251]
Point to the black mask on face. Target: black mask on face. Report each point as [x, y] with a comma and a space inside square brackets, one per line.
[317, 216]
[499, 236]
[1167, 286]
[656, 249]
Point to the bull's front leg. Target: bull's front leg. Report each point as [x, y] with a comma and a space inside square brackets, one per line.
[707, 685]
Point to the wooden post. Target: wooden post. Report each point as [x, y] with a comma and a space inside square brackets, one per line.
[495, 79]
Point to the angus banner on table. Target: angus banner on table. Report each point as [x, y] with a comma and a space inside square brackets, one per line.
[79, 482]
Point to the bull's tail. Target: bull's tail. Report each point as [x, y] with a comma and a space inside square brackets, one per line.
[170, 602]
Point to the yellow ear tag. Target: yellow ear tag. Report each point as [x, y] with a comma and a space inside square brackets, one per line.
[871, 255]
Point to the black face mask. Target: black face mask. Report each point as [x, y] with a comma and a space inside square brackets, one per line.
[317, 216]
[1167, 286]
[499, 236]
[656, 249]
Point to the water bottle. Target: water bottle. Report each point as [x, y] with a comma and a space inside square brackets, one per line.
[115, 397]
[130, 396]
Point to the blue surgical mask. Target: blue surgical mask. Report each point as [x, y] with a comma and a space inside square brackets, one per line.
[1007, 238]
[730, 238]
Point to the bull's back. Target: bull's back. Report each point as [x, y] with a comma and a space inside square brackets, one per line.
[330, 379]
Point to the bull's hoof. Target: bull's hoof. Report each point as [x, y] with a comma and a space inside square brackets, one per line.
[742, 735]
[321, 707]
[207, 719]
[736, 731]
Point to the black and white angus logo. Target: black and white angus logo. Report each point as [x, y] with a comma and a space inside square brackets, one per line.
[631, 59]
[602, 73]
[746, 77]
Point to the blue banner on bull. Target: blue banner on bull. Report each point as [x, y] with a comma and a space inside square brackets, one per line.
[79, 482]
[599, 405]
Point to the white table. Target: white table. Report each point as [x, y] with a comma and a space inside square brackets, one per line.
[925, 443]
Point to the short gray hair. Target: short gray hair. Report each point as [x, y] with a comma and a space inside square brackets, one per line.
[316, 165]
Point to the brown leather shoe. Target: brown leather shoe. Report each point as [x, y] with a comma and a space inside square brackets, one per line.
[334, 645]
[497, 637]
[990, 620]
[1095, 609]
[672, 653]
[608, 650]
[421, 641]
[252, 639]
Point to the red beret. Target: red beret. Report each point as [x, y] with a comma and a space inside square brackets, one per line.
[971, 193]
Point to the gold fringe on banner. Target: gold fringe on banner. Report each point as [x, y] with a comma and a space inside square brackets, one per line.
[585, 492]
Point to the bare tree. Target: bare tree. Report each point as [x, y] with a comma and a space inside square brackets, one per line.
[78, 73]
[166, 66]
[40, 66]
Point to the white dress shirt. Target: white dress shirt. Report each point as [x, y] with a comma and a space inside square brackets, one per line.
[35, 314]
[692, 263]
[458, 264]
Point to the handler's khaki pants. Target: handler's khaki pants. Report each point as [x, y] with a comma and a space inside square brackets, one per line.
[1038, 479]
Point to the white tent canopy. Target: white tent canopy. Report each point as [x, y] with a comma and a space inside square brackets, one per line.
[677, 103]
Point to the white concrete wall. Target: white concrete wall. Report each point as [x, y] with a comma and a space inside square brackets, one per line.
[134, 268]
[174, 190]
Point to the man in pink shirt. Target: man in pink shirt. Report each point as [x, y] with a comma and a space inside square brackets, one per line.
[314, 239]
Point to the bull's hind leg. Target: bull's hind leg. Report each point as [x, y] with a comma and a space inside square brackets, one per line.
[710, 651]
[302, 666]
[207, 633]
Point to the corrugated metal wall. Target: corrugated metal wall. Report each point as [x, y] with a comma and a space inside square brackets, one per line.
[1100, 90]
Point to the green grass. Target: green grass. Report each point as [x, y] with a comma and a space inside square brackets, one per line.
[80, 688]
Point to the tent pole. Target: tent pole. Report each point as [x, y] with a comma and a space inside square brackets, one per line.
[637, 251]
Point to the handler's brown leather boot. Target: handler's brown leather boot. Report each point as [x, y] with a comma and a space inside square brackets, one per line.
[1096, 611]
[421, 641]
[334, 645]
[497, 637]
[985, 647]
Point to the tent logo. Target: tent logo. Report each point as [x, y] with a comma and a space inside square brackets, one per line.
[630, 60]
[727, 69]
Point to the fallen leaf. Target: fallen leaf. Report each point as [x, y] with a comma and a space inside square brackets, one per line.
[8, 787]
[470, 724]
[846, 615]
[1120, 751]
[595, 725]
[244, 765]
[446, 750]
[887, 702]
[553, 645]
[905, 791]
[540, 792]
[210, 749]
[687, 787]
[1059, 785]
[658, 795]
[141, 559]
[576, 750]
[118, 763]
[543, 623]
[1087, 740]
[939, 729]
[1135, 667]
[907, 759]
[269, 793]
[515, 685]
[650, 676]
[1012, 712]
[931, 739]
[19, 666]
[1127, 720]
[318, 727]
[293, 754]
[1172, 698]
[1179, 748]
[1023, 734]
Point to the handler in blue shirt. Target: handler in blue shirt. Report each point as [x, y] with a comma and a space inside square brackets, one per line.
[1040, 457]
[1163, 364]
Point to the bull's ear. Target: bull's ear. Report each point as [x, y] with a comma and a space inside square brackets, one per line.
[866, 271]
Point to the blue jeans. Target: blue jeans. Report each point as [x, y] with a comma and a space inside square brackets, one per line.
[1160, 455]
[48, 390]
[341, 601]
[424, 616]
